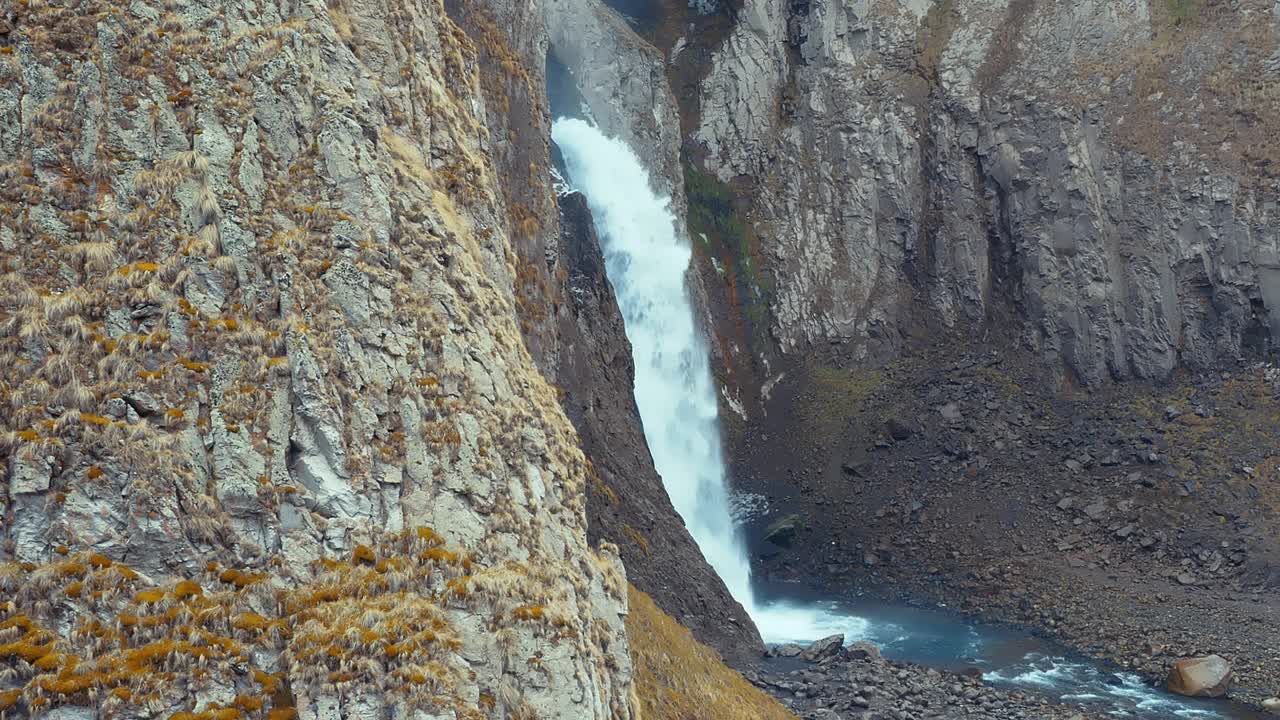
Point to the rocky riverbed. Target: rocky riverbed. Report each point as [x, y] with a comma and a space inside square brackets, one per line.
[832, 684]
[1137, 524]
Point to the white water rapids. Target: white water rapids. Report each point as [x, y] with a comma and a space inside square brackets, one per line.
[646, 260]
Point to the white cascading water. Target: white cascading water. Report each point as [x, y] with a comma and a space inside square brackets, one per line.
[646, 260]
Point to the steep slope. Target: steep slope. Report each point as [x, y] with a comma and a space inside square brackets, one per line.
[678, 678]
[274, 443]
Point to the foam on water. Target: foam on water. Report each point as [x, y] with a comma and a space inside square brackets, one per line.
[1122, 694]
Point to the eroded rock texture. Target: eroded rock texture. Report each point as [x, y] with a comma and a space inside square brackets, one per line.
[1102, 174]
[274, 443]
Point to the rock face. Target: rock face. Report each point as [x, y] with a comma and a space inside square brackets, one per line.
[1208, 676]
[273, 439]
[970, 165]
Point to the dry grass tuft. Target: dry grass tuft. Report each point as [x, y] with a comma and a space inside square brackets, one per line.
[679, 678]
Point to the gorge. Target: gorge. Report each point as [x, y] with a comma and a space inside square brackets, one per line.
[344, 378]
[647, 264]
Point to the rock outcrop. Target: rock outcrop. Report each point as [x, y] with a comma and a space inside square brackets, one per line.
[274, 443]
[1092, 179]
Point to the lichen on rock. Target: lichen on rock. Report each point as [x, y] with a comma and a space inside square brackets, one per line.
[257, 314]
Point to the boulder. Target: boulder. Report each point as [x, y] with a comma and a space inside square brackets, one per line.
[1208, 676]
[827, 647]
[899, 429]
[787, 650]
[1272, 705]
[782, 531]
[863, 650]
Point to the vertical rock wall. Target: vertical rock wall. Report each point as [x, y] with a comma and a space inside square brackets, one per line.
[273, 441]
[1103, 173]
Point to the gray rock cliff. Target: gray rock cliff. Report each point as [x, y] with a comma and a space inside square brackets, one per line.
[274, 444]
[1101, 173]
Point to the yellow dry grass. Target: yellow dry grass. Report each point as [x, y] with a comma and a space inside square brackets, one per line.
[679, 678]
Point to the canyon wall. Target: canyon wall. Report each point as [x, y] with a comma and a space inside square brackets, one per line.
[274, 444]
[1093, 180]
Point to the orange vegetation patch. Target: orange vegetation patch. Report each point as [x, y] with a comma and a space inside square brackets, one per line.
[678, 677]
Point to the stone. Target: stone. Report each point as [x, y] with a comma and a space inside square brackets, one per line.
[854, 469]
[786, 650]
[826, 648]
[863, 650]
[1096, 510]
[899, 429]
[29, 475]
[1208, 676]
[1272, 705]
[782, 531]
[144, 403]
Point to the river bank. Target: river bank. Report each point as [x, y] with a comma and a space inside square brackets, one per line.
[1134, 524]
[964, 664]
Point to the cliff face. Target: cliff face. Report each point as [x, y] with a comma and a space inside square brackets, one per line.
[273, 440]
[1094, 180]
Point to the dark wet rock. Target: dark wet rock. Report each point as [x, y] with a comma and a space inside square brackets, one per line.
[857, 686]
[782, 531]
[827, 647]
[786, 650]
[863, 650]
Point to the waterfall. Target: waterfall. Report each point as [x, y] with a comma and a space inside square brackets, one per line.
[646, 260]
